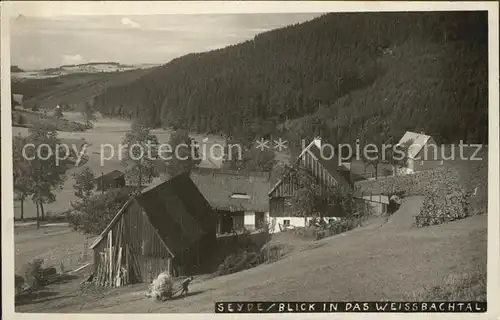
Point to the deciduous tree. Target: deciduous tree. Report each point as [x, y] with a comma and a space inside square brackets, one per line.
[84, 183]
[183, 155]
[141, 155]
[47, 169]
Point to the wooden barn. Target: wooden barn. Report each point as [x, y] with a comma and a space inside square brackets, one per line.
[169, 227]
[112, 179]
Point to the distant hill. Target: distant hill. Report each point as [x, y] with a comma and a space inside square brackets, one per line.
[71, 89]
[116, 64]
[90, 67]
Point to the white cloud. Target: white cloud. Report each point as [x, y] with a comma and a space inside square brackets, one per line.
[126, 21]
[71, 59]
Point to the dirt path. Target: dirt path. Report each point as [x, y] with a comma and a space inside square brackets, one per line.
[370, 264]
[403, 218]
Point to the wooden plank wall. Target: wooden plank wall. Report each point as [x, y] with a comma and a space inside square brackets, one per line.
[289, 186]
[142, 252]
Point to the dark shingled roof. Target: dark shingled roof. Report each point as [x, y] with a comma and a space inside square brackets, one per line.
[177, 210]
[218, 186]
[115, 174]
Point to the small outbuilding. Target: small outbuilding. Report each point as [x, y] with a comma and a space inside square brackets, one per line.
[112, 179]
[167, 228]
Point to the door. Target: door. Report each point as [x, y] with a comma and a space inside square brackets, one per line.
[259, 220]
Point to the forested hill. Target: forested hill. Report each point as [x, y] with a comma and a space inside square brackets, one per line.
[343, 76]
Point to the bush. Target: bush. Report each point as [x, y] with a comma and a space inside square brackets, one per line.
[439, 209]
[34, 275]
[94, 214]
[447, 192]
[239, 261]
[18, 119]
[307, 233]
[19, 283]
[273, 252]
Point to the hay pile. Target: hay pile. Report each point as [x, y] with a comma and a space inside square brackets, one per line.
[161, 287]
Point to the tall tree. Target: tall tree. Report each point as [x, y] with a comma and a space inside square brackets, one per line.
[183, 154]
[89, 112]
[47, 169]
[84, 184]
[95, 213]
[311, 198]
[141, 155]
[21, 172]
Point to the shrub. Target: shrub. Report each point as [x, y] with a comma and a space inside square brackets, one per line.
[18, 119]
[273, 252]
[94, 214]
[307, 233]
[439, 208]
[19, 283]
[34, 275]
[447, 192]
[239, 261]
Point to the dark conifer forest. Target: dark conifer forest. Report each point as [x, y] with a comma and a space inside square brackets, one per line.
[343, 76]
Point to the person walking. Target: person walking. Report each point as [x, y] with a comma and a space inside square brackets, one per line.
[185, 286]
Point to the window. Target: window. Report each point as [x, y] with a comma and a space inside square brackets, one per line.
[286, 223]
[237, 195]
[331, 220]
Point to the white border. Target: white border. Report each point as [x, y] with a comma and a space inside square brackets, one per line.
[60, 8]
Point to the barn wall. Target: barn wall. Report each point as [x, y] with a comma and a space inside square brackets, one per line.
[142, 250]
[288, 186]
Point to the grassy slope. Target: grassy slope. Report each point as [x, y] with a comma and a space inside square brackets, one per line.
[53, 244]
[366, 264]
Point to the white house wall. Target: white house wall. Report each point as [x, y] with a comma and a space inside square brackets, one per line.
[249, 220]
[297, 222]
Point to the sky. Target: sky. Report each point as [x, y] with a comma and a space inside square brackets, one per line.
[45, 42]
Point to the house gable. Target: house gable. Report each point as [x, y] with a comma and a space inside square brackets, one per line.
[328, 171]
[177, 220]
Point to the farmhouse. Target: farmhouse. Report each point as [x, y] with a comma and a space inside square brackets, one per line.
[331, 173]
[423, 152]
[113, 179]
[169, 227]
[239, 199]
